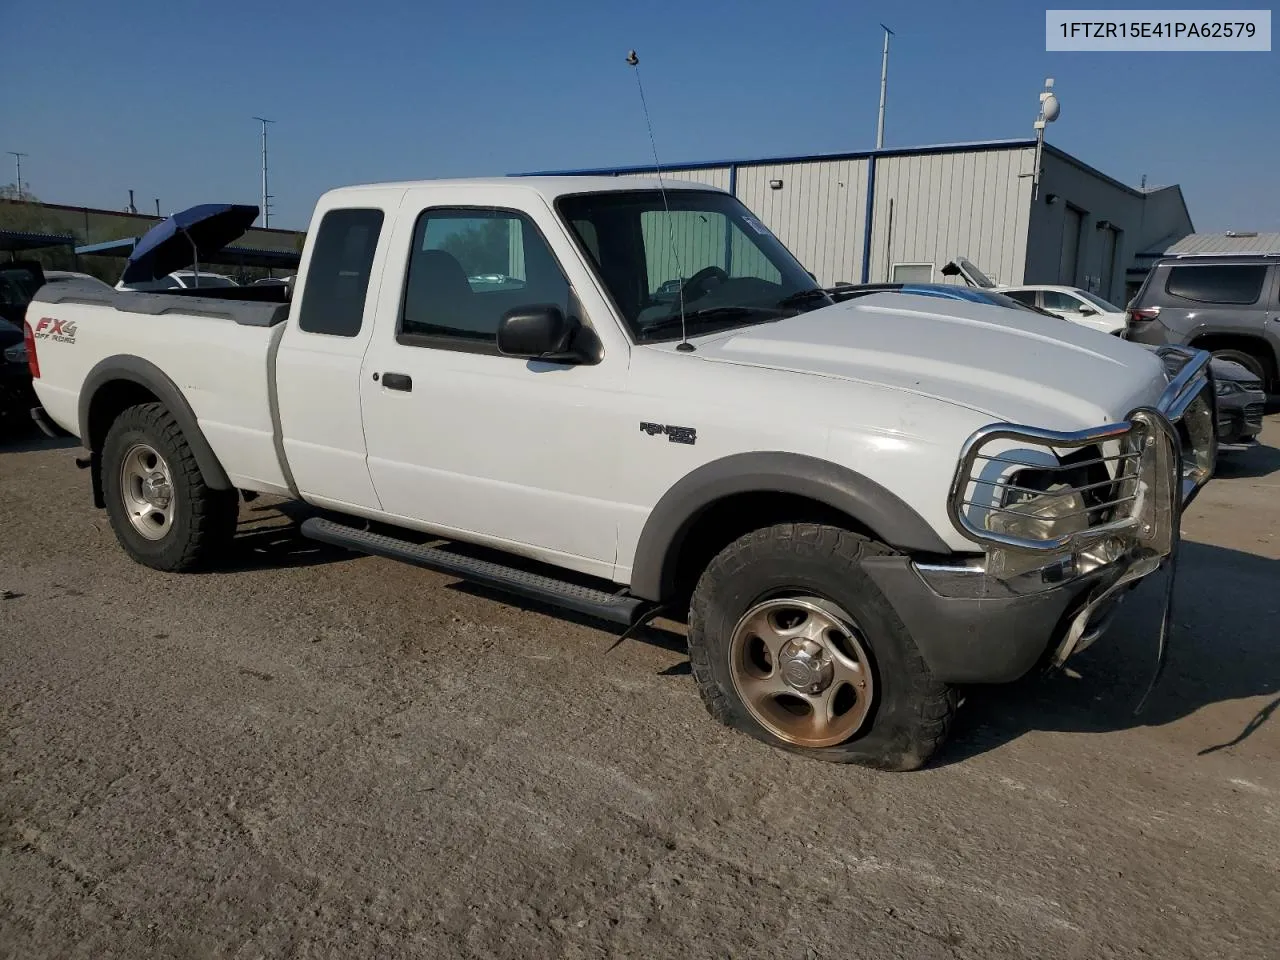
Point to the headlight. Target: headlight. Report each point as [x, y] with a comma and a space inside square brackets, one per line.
[1057, 512]
[1225, 388]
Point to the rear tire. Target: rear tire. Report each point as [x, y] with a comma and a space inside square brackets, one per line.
[908, 712]
[161, 510]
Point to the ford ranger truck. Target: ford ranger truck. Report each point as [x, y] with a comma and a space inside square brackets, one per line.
[641, 394]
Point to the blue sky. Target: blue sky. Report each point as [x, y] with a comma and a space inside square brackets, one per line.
[158, 96]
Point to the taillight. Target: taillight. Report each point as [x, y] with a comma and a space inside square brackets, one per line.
[29, 338]
[1145, 315]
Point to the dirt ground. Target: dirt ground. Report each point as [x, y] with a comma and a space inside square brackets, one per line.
[315, 755]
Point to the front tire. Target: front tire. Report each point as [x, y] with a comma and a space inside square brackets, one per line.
[792, 643]
[162, 512]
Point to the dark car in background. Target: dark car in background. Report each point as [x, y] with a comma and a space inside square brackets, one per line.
[19, 281]
[1226, 304]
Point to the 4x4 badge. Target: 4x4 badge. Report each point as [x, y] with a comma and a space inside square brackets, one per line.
[674, 434]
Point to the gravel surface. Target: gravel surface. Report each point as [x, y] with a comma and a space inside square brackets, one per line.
[314, 755]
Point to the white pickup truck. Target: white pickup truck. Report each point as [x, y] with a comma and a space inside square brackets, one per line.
[855, 507]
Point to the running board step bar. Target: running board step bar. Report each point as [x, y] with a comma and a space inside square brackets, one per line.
[613, 607]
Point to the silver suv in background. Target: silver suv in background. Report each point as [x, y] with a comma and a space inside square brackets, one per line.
[1226, 304]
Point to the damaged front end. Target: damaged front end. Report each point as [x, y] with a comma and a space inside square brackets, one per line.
[1103, 505]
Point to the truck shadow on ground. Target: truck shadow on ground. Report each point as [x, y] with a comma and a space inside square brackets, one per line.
[1223, 647]
[1261, 461]
[25, 438]
[268, 538]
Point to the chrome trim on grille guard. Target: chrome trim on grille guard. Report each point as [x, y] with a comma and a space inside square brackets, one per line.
[1155, 462]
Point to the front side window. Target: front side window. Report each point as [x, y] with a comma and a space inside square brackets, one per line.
[338, 277]
[697, 252]
[1063, 302]
[468, 267]
[1217, 283]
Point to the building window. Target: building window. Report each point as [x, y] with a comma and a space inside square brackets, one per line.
[912, 273]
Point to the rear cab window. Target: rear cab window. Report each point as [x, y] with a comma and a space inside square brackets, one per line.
[338, 277]
[1234, 283]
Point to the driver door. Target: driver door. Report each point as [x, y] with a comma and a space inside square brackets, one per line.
[463, 440]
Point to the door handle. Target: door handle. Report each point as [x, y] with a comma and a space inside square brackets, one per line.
[397, 381]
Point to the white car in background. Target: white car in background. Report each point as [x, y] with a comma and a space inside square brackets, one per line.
[1069, 303]
[180, 280]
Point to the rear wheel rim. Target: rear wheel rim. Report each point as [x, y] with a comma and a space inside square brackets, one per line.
[800, 666]
[146, 491]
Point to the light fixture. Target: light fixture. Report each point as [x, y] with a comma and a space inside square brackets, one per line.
[775, 184]
[1104, 224]
[1051, 198]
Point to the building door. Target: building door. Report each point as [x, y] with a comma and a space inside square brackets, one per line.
[1107, 266]
[1067, 269]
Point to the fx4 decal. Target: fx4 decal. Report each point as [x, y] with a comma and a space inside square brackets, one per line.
[674, 434]
[59, 331]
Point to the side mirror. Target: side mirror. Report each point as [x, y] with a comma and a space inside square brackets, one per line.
[538, 333]
[1088, 312]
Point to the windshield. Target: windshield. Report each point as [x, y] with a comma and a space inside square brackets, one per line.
[1099, 302]
[702, 248]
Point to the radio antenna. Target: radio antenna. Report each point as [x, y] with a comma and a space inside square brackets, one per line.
[634, 62]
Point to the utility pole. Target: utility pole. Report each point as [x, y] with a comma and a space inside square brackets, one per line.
[266, 197]
[18, 157]
[884, 83]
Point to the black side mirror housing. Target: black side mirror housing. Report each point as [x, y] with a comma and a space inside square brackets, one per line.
[539, 333]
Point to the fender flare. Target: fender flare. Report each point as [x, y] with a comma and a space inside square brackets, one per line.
[873, 506]
[146, 374]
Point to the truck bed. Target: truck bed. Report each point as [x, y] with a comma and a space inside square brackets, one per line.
[251, 307]
[217, 353]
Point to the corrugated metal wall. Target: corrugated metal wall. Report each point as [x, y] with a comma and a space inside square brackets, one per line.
[712, 176]
[817, 213]
[944, 205]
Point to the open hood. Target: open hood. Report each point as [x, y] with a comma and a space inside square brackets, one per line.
[186, 238]
[964, 267]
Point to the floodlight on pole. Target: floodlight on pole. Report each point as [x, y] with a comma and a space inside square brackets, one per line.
[18, 158]
[1049, 110]
[884, 83]
[266, 197]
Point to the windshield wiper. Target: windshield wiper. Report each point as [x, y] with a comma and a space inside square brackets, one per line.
[813, 293]
[724, 312]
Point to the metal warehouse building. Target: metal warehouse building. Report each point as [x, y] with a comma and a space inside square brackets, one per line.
[901, 214]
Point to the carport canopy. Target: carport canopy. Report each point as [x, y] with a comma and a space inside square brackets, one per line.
[12, 241]
[226, 257]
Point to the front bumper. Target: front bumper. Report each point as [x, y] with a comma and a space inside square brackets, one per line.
[1240, 419]
[971, 627]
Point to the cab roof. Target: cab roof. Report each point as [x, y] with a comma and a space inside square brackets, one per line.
[550, 187]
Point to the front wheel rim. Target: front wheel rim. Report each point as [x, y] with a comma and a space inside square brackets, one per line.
[800, 666]
[146, 491]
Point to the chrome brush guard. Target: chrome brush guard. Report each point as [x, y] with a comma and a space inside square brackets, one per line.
[1141, 472]
[1122, 527]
